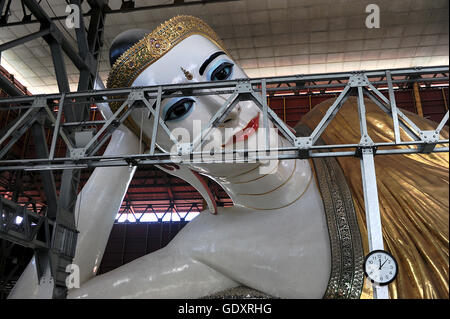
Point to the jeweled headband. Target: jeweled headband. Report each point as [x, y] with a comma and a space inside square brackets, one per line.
[154, 45]
[151, 48]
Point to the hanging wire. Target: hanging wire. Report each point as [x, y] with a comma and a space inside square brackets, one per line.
[54, 15]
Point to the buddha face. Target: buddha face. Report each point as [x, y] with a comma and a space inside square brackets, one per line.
[197, 59]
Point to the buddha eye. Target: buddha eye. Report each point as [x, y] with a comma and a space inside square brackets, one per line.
[179, 109]
[222, 72]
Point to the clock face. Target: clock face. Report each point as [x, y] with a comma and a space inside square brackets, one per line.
[380, 267]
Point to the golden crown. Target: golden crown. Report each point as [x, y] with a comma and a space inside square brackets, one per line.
[154, 45]
[151, 48]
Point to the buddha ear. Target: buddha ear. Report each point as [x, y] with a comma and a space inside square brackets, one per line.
[124, 41]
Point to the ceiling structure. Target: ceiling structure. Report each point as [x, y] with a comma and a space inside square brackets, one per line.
[265, 37]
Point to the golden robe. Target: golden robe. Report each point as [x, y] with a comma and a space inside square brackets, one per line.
[413, 192]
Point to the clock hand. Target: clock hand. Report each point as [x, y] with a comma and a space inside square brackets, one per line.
[383, 263]
[380, 263]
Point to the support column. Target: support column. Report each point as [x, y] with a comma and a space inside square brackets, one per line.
[417, 99]
[373, 218]
[445, 99]
[369, 182]
[48, 180]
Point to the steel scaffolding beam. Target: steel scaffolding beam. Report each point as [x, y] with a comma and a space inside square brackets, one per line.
[61, 208]
[350, 83]
[24, 227]
[121, 10]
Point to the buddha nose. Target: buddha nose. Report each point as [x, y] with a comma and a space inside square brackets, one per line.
[232, 118]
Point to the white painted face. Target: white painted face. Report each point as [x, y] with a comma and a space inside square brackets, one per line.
[205, 62]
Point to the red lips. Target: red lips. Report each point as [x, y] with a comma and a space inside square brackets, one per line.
[246, 132]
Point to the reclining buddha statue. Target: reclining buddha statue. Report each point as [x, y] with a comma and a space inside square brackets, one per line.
[297, 231]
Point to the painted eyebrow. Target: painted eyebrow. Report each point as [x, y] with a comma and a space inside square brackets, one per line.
[209, 60]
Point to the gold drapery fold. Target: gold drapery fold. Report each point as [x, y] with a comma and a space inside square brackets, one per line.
[347, 255]
[413, 195]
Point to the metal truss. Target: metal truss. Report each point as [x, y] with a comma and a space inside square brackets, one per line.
[360, 84]
[126, 6]
[54, 108]
[29, 229]
[89, 40]
[24, 227]
[150, 210]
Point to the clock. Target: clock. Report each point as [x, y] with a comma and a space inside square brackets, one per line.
[380, 267]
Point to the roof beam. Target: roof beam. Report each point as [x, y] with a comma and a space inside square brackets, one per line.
[55, 33]
[22, 40]
[48, 180]
[108, 10]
